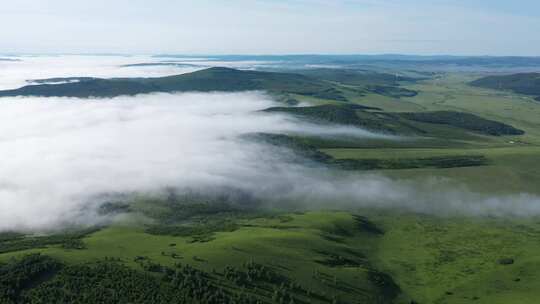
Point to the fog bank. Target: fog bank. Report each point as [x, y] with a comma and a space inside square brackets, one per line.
[60, 153]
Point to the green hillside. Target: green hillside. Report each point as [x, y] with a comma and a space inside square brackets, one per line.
[398, 123]
[314, 257]
[523, 83]
[322, 84]
[212, 79]
[465, 121]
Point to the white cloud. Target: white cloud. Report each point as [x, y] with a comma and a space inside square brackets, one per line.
[59, 153]
[16, 73]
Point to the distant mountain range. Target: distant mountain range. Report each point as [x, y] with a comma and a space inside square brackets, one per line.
[388, 61]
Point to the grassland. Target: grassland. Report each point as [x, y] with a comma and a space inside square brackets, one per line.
[358, 256]
[302, 247]
[513, 159]
[431, 259]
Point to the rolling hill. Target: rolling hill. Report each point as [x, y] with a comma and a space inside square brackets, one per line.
[522, 83]
[398, 123]
[212, 79]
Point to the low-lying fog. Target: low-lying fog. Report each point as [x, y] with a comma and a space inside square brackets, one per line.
[17, 71]
[16, 74]
[59, 154]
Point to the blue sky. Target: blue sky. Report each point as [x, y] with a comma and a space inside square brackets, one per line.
[459, 27]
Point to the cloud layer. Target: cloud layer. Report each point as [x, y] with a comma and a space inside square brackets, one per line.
[16, 73]
[59, 154]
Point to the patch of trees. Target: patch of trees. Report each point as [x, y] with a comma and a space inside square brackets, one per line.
[17, 276]
[330, 93]
[334, 114]
[41, 279]
[112, 208]
[10, 242]
[307, 151]
[522, 83]
[112, 282]
[396, 123]
[208, 80]
[301, 149]
[200, 232]
[392, 91]
[386, 284]
[465, 121]
[385, 288]
[411, 163]
[336, 260]
[365, 225]
[369, 118]
[184, 205]
[506, 261]
[253, 273]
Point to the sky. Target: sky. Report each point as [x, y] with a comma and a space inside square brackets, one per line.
[458, 27]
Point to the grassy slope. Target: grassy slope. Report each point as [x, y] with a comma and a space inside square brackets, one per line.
[452, 92]
[510, 169]
[433, 123]
[456, 260]
[293, 247]
[434, 260]
[523, 83]
[514, 158]
[453, 260]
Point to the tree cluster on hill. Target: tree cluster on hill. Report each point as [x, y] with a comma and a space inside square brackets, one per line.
[522, 83]
[19, 275]
[390, 91]
[309, 152]
[208, 80]
[40, 279]
[300, 149]
[450, 161]
[253, 273]
[200, 232]
[10, 242]
[465, 121]
[396, 123]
